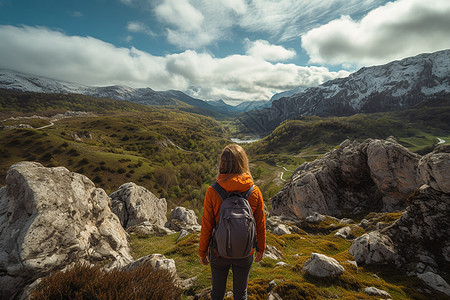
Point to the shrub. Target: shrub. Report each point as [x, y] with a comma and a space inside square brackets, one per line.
[86, 282]
[289, 290]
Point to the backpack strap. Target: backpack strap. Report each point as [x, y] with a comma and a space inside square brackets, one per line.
[248, 193]
[223, 193]
[220, 190]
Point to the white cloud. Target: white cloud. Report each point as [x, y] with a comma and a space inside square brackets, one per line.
[198, 23]
[181, 14]
[90, 61]
[137, 26]
[263, 50]
[393, 31]
[76, 14]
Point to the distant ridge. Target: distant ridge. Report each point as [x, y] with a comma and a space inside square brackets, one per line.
[17, 81]
[398, 85]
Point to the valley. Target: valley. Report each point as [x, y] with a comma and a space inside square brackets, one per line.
[171, 149]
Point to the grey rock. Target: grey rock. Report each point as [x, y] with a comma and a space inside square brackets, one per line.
[364, 223]
[182, 218]
[273, 253]
[436, 282]
[373, 291]
[346, 221]
[182, 234]
[274, 296]
[422, 228]
[281, 229]
[51, 218]
[435, 169]
[157, 261]
[376, 175]
[134, 204]
[344, 232]
[281, 264]
[393, 168]
[320, 265]
[315, 218]
[373, 248]
[148, 229]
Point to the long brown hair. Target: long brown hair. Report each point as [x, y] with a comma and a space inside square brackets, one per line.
[233, 160]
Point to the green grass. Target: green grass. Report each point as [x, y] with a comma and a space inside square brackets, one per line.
[416, 129]
[291, 281]
[170, 152]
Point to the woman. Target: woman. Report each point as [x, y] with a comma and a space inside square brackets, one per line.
[234, 176]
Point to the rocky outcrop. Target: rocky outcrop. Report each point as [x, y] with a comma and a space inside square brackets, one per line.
[421, 236]
[51, 218]
[134, 204]
[320, 265]
[435, 168]
[419, 241]
[436, 282]
[376, 175]
[183, 218]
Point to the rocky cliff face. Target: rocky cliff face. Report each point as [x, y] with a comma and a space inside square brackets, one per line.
[418, 242]
[376, 175]
[51, 218]
[398, 85]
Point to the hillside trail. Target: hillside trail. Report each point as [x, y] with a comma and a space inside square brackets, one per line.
[46, 126]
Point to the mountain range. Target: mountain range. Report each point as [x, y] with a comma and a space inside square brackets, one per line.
[13, 80]
[408, 83]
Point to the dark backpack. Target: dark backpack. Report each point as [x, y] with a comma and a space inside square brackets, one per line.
[235, 234]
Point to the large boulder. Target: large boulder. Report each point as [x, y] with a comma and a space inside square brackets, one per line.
[436, 282]
[183, 218]
[393, 168]
[376, 175]
[435, 168]
[51, 218]
[373, 248]
[134, 204]
[320, 265]
[418, 242]
[421, 236]
[157, 261]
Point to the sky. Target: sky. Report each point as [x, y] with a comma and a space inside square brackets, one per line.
[235, 50]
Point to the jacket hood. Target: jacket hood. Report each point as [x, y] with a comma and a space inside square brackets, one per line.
[235, 182]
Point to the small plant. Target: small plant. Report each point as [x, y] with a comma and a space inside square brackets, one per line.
[289, 290]
[86, 282]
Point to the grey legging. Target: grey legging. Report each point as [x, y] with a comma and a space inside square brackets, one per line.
[219, 271]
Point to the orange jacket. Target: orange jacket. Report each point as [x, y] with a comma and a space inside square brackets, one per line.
[213, 202]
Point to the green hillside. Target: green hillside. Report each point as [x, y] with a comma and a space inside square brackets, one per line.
[169, 151]
[416, 129]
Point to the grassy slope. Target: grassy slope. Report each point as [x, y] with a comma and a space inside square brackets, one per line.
[171, 152]
[133, 143]
[296, 249]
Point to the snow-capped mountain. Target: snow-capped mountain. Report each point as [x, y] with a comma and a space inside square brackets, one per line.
[29, 83]
[289, 93]
[398, 85]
